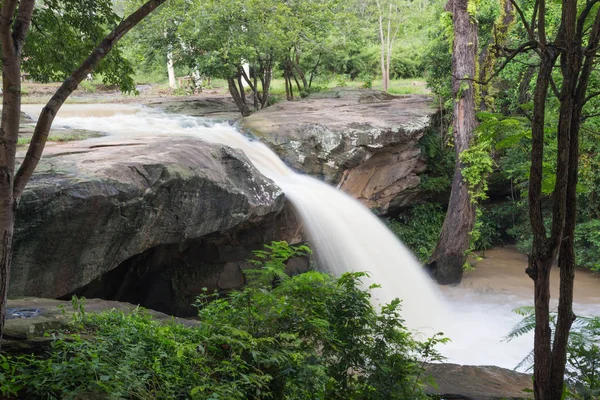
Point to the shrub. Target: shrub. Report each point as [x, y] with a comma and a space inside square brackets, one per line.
[419, 228]
[587, 244]
[582, 374]
[305, 337]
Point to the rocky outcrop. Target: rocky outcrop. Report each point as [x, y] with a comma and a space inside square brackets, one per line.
[364, 141]
[470, 382]
[28, 319]
[93, 206]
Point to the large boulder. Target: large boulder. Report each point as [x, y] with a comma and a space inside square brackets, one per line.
[364, 141]
[93, 206]
[471, 382]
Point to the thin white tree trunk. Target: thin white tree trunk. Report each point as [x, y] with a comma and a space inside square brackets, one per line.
[389, 50]
[382, 39]
[171, 71]
[170, 68]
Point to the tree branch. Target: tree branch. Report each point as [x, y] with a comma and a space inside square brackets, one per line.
[583, 16]
[21, 24]
[42, 128]
[6, 15]
[521, 49]
[524, 20]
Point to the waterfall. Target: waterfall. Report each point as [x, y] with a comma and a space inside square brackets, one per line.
[344, 234]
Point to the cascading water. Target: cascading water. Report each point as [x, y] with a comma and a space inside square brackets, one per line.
[348, 237]
[345, 235]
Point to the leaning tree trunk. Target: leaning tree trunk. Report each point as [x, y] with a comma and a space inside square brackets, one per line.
[12, 39]
[446, 263]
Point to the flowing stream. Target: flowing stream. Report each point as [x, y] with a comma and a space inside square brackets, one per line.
[346, 236]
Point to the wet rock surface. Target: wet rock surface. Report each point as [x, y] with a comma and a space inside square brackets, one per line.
[364, 141]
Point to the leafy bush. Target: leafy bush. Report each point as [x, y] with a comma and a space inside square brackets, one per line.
[88, 86]
[582, 374]
[440, 162]
[341, 80]
[419, 228]
[587, 244]
[366, 79]
[305, 337]
[404, 66]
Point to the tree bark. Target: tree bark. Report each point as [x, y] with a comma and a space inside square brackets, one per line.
[446, 263]
[237, 98]
[12, 38]
[389, 50]
[382, 39]
[171, 71]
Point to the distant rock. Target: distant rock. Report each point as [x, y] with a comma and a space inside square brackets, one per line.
[364, 141]
[217, 107]
[470, 382]
[28, 319]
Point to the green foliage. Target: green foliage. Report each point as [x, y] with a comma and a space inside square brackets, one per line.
[341, 81]
[477, 165]
[88, 86]
[78, 26]
[587, 244]
[419, 228]
[440, 162]
[367, 80]
[582, 374]
[308, 337]
[270, 262]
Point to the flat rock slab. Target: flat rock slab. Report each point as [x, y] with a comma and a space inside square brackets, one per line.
[470, 382]
[364, 141]
[28, 319]
[220, 108]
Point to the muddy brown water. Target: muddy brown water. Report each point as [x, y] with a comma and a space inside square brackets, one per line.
[482, 307]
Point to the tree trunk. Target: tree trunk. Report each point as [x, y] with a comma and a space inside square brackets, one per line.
[12, 39]
[524, 94]
[171, 71]
[488, 56]
[300, 72]
[267, 67]
[576, 64]
[446, 263]
[382, 40]
[237, 98]
[389, 50]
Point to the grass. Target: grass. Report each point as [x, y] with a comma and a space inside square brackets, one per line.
[89, 92]
[397, 86]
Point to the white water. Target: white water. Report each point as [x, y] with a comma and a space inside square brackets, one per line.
[344, 234]
[347, 236]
